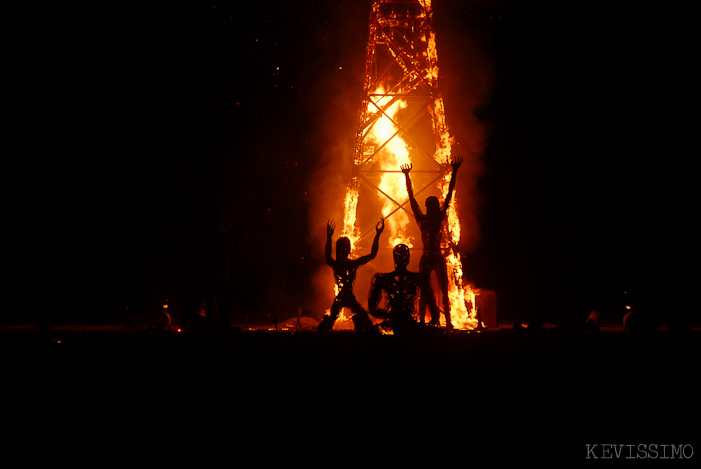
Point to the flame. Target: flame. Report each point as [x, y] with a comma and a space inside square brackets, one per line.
[393, 154]
[463, 306]
[350, 206]
[461, 296]
[344, 320]
[384, 145]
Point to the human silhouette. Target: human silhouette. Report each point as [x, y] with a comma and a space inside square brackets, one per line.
[431, 225]
[401, 288]
[344, 271]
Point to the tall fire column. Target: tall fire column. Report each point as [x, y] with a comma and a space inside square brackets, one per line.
[402, 120]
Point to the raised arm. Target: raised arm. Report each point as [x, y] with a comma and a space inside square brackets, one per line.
[330, 227]
[375, 242]
[406, 168]
[457, 161]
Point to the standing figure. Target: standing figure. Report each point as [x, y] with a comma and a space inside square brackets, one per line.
[431, 225]
[401, 288]
[344, 271]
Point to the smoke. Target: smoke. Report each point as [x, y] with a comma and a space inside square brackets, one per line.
[466, 77]
[327, 191]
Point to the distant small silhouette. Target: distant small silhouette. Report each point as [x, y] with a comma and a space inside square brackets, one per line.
[344, 271]
[401, 288]
[431, 225]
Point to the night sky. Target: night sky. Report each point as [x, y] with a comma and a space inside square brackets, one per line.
[174, 119]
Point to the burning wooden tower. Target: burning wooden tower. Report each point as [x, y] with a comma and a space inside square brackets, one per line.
[402, 120]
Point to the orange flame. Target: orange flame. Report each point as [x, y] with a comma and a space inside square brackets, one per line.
[394, 153]
[461, 296]
[391, 152]
[350, 206]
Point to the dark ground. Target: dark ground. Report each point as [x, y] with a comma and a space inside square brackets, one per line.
[505, 395]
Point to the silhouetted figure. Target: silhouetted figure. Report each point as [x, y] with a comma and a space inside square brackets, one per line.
[431, 225]
[401, 288]
[344, 271]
